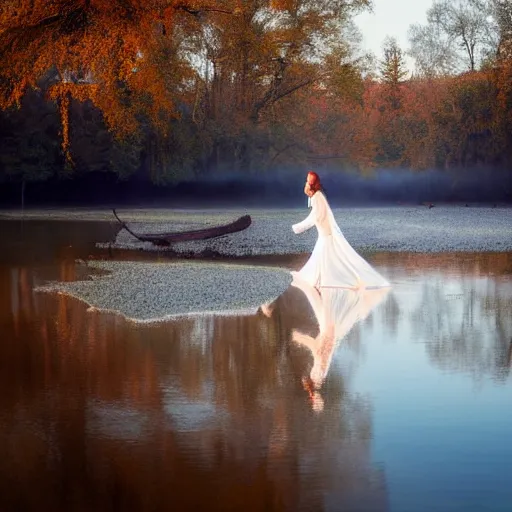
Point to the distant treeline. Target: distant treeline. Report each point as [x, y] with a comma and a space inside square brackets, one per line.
[254, 89]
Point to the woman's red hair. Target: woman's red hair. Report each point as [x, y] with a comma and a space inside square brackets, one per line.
[314, 181]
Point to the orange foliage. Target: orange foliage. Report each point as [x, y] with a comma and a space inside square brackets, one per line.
[441, 122]
[119, 54]
[282, 4]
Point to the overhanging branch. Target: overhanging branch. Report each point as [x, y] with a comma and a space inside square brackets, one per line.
[272, 96]
[197, 11]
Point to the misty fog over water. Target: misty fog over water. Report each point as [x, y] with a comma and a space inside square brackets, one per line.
[279, 189]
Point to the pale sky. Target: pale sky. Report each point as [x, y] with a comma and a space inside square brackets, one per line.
[391, 18]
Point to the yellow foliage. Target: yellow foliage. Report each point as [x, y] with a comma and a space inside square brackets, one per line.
[118, 54]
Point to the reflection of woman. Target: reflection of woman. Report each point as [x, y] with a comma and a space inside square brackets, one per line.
[318, 319]
[333, 262]
[336, 311]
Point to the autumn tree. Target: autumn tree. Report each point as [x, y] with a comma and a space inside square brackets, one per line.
[386, 96]
[498, 15]
[501, 72]
[455, 38]
[119, 54]
[419, 131]
[140, 62]
[502, 11]
[249, 73]
[393, 68]
[433, 54]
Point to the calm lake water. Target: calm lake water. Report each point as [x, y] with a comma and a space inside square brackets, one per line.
[411, 410]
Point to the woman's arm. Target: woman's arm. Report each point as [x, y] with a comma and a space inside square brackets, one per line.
[310, 220]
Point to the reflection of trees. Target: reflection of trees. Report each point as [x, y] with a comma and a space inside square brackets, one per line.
[464, 310]
[97, 412]
[465, 263]
[39, 242]
[392, 312]
[466, 324]
[204, 412]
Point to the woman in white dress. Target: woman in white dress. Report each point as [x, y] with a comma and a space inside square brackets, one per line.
[333, 262]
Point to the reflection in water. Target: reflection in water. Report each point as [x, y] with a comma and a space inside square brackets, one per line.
[458, 305]
[473, 335]
[98, 413]
[336, 311]
[465, 323]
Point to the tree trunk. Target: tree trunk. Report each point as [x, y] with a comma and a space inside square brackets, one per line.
[23, 195]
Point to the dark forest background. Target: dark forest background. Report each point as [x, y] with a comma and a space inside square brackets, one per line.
[258, 102]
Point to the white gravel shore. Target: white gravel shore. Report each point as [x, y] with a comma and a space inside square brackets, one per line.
[153, 291]
[403, 229]
[148, 292]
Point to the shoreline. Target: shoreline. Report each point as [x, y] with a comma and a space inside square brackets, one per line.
[104, 213]
[369, 230]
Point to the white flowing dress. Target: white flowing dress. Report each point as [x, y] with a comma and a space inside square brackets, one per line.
[333, 262]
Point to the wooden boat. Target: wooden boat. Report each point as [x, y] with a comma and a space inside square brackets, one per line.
[166, 239]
